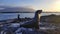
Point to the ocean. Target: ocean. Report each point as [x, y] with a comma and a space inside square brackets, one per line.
[4, 16]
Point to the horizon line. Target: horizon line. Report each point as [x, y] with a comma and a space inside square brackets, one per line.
[28, 12]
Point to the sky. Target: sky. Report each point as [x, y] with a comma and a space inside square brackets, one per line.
[45, 5]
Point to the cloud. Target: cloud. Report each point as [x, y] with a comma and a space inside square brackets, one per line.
[2, 8]
[16, 9]
[1, 4]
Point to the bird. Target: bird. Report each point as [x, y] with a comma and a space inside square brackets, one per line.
[33, 23]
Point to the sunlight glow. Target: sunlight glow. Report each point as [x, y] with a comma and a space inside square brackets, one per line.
[56, 5]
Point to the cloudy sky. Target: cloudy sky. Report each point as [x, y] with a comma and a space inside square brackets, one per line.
[46, 5]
